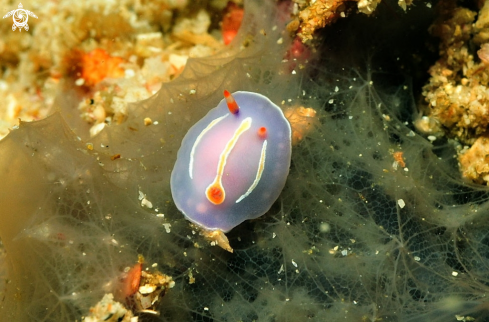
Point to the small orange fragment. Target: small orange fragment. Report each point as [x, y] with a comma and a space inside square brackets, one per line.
[131, 282]
[398, 156]
[233, 15]
[98, 65]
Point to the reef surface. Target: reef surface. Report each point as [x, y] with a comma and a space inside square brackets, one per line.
[374, 222]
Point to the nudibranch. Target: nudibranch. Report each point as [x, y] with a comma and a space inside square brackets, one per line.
[233, 163]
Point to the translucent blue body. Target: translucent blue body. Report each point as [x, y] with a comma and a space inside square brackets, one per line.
[246, 195]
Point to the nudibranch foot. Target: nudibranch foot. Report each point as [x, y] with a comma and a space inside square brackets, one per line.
[217, 238]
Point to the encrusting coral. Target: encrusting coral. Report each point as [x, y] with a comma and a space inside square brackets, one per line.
[457, 94]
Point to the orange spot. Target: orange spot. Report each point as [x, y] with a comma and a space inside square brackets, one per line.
[262, 132]
[232, 105]
[398, 156]
[94, 66]
[215, 194]
[231, 21]
[302, 121]
[131, 282]
[115, 157]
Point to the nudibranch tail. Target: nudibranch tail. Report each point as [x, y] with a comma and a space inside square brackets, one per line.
[231, 102]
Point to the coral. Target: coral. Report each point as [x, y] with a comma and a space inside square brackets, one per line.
[457, 94]
[351, 238]
[316, 14]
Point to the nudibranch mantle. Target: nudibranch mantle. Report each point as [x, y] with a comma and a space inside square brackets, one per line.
[233, 163]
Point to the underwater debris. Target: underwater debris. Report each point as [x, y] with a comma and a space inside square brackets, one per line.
[109, 310]
[302, 121]
[231, 21]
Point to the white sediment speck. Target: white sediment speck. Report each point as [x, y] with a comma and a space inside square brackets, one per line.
[281, 269]
[401, 203]
[167, 227]
[146, 203]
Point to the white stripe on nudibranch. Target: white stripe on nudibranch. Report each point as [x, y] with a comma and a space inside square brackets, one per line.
[261, 167]
[217, 183]
[197, 141]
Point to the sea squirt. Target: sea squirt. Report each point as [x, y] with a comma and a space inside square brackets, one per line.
[233, 163]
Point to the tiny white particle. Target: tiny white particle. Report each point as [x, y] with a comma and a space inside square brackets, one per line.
[79, 82]
[281, 269]
[154, 265]
[274, 235]
[293, 72]
[155, 123]
[454, 273]
[336, 89]
[206, 308]
[167, 227]
[401, 203]
[416, 258]
[280, 41]
[192, 91]
[129, 73]
[344, 252]
[294, 263]
[331, 101]
[432, 138]
[160, 215]
[146, 203]
[324, 227]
